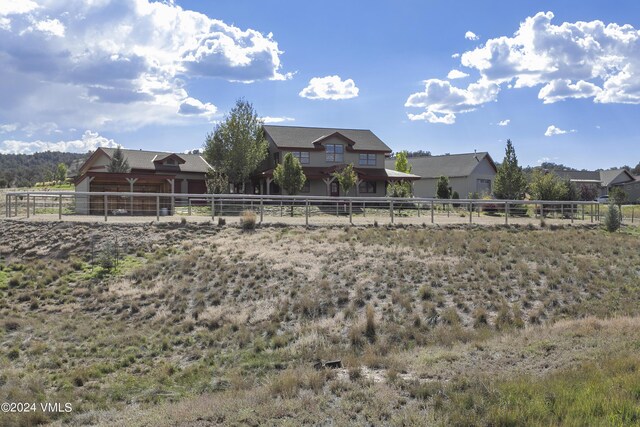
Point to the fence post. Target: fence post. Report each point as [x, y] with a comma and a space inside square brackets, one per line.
[562, 210]
[470, 212]
[158, 208]
[28, 199]
[432, 206]
[261, 210]
[633, 208]
[189, 202]
[213, 207]
[582, 212]
[306, 212]
[105, 208]
[506, 213]
[598, 212]
[60, 206]
[350, 211]
[591, 210]
[15, 206]
[391, 210]
[364, 209]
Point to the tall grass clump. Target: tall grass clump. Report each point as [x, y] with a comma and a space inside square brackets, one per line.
[248, 220]
[612, 218]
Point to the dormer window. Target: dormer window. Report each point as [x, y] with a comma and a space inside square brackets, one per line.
[170, 162]
[335, 153]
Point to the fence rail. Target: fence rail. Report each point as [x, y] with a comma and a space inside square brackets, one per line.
[66, 204]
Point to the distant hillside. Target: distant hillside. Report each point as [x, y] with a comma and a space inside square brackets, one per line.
[24, 170]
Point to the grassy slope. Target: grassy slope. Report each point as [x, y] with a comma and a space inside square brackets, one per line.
[466, 326]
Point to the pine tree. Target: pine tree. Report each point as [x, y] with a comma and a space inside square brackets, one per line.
[510, 182]
[443, 191]
[118, 163]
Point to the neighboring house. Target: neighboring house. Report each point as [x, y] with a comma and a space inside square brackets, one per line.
[632, 188]
[602, 181]
[321, 152]
[469, 174]
[151, 172]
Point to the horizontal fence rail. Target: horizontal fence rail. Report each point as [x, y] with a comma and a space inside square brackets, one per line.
[98, 205]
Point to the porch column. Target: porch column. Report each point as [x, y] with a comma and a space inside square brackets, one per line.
[269, 181]
[328, 182]
[173, 198]
[131, 181]
[358, 182]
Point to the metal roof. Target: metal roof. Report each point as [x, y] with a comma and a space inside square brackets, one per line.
[304, 137]
[449, 165]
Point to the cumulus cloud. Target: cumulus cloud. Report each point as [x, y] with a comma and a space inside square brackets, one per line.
[330, 87]
[268, 119]
[470, 35]
[456, 74]
[88, 142]
[588, 60]
[553, 130]
[504, 122]
[442, 101]
[120, 63]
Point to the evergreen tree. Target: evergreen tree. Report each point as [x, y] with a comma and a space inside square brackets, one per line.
[118, 163]
[510, 182]
[237, 146]
[443, 191]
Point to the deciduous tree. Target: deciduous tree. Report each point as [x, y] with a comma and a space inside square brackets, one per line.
[237, 145]
[347, 178]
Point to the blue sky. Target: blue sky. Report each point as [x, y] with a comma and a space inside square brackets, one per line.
[561, 79]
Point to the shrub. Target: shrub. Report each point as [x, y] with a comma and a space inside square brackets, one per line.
[221, 221]
[370, 328]
[612, 218]
[248, 220]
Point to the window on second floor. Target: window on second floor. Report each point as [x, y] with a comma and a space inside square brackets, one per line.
[335, 153]
[367, 160]
[303, 156]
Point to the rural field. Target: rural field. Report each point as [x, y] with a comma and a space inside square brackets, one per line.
[162, 324]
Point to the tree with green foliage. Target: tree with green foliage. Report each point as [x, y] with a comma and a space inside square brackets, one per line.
[618, 196]
[443, 191]
[402, 162]
[237, 145]
[217, 182]
[61, 172]
[587, 192]
[510, 182]
[400, 188]
[346, 177]
[612, 218]
[547, 186]
[289, 175]
[118, 163]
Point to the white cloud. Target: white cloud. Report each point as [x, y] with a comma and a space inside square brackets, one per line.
[52, 27]
[7, 128]
[442, 101]
[589, 60]
[455, 55]
[456, 74]
[268, 119]
[330, 87]
[504, 122]
[553, 130]
[120, 64]
[17, 7]
[470, 35]
[88, 142]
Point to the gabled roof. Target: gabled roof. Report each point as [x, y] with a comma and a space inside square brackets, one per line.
[449, 165]
[148, 160]
[309, 137]
[604, 178]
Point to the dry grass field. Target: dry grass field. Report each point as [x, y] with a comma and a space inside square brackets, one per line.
[196, 324]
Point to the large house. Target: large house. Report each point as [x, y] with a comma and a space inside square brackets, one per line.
[150, 172]
[322, 151]
[470, 174]
[603, 181]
